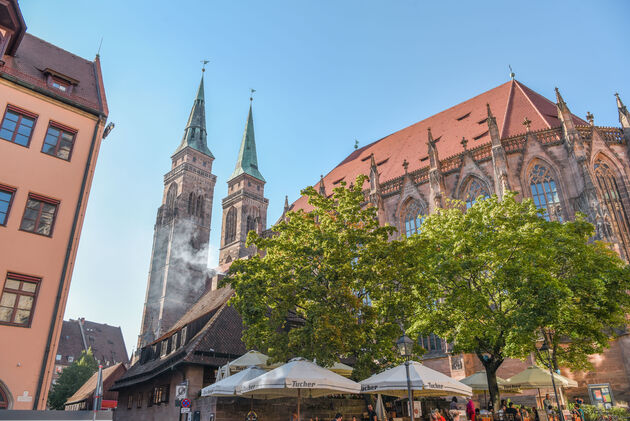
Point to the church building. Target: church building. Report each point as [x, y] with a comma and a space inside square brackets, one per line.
[508, 138]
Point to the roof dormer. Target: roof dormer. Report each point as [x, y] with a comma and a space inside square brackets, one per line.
[59, 81]
[12, 27]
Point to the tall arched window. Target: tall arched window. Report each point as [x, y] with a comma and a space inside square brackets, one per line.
[190, 203]
[474, 189]
[230, 226]
[199, 211]
[253, 220]
[171, 195]
[545, 192]
[413, 217]
[609, 191]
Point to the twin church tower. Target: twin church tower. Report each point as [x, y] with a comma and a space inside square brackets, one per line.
[178, 273]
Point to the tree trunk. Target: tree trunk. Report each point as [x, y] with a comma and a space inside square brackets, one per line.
[492, 364]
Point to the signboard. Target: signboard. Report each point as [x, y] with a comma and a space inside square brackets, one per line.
[601, 395]
[251, 416]
[184, 410]
[186, 403]
[417, 409]
[181, 390]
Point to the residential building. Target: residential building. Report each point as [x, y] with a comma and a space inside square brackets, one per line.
[53, 112]
[105, 341]
[83, 398]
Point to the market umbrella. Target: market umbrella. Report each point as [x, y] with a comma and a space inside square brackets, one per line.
[250, 358]
[298, 378]
[227, 386]
[479, 383]
[424, 382]
[534, 377]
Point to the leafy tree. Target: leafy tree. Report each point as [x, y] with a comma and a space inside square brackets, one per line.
[491, 278]
[71, 379]
[326, 286]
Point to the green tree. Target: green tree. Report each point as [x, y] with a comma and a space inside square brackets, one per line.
[71, 379]
[326, 286]
[491, 278]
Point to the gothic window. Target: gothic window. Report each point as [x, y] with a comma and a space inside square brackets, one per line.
[200, 205]
[545, 192]
[190, 203]
[230, 226]
[413, 217]
[474, 189]
[614, 212]
[253, 220]
[171, 195]
[432, 342]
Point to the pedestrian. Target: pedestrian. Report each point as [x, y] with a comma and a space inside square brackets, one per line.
[294, 416]
[338, 417]
[371, 413]
[453, 403]
[470, 410]
[547, 403]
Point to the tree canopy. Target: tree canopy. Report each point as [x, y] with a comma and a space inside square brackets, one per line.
[71, 379]
[493, 278]
[327, 285]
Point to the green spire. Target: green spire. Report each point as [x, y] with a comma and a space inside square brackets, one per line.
[195, 131]
[247, 161]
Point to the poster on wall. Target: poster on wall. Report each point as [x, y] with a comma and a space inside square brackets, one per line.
[601, 395]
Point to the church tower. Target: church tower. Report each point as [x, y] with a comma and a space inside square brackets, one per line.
[245, 207]
[179, 259]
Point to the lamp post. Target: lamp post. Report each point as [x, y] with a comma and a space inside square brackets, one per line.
[545, 348]
[405, 346]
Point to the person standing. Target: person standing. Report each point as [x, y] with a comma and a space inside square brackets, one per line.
[371, 413]
[547, 403]
[470, 410]
[453, 403]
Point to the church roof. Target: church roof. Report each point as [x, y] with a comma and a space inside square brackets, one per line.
[247, 162]
[510, 102]
[86, 391]
[195, 135]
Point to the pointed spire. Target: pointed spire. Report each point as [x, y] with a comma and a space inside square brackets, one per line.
[560, 101]
[195, 131]
[322, 188]
[434, 160]
[624, 115]
[493, 128]
[247, 162]
[286, 204]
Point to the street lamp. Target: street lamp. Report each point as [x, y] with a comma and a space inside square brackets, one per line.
[545, 348]
[405, 347]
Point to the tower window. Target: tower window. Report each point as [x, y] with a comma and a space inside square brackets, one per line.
[230, 226]
[17, 126]
[544, 192]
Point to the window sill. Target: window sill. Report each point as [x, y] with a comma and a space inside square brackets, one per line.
[36, 233]
[55, 156]
[14, 143]
[28, 325]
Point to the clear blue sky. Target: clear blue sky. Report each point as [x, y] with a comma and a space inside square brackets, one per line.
[326, 72]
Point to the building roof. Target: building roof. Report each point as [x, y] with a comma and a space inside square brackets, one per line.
[247, 162]
[35, 58]
[510, 102]
[195, 135]
[107, 342]
[86, 391]
[216, 330]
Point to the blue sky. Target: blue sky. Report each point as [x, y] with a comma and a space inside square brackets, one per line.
[326, 73]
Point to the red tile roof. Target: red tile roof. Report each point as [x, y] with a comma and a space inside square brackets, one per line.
[510, 102]
[107, 343]
[35, 55]
[86, 391]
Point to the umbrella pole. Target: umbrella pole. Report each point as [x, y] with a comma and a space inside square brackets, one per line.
[539, 399]
[298, 408]
[485, 399]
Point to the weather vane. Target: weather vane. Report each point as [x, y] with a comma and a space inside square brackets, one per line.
[512, 74]
[251, 94]
[204, 62]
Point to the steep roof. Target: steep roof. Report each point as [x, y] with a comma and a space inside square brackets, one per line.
[86, 391]
[35, 57]
[247, 162]
[510, 102]
[195, 135]
[107, 342]
[215, 343]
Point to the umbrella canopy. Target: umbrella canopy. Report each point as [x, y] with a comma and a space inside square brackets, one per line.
[424, 382]
[227, 386]
[534, 377]
[570, 382]
[298, 377]
[479, 382]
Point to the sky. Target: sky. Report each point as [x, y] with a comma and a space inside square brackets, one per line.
[326, 72]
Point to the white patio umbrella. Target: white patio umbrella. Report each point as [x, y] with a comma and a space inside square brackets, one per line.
[250, 358]
[424, 382]
[227, 386]
[300, 378]
[479, 383]
[534, 377]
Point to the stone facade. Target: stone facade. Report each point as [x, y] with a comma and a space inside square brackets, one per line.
[508, 138]
[179, 260]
